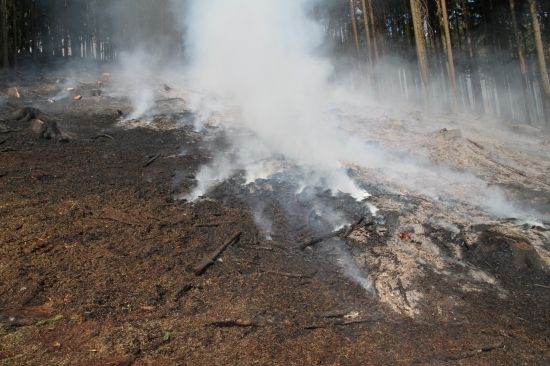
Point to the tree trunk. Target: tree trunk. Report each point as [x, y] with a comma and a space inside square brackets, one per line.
[354, 25]
[373, 32]
[15, 34]
[522, 63]
[5, 41]
[419, 18]
[370, 49]
[541, 60]
[367, 30]
[447, 45]
[479, 106]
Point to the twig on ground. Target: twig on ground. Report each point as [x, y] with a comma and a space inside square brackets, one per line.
[227, 323]
[151, 161]
[537, 285]
[341, 323]
[285, 274]
[105, 135]
[211, 259]
[212, 224]
[323, 238]
[342, 233]
[185, 289]
[117, 220]
[469, 354]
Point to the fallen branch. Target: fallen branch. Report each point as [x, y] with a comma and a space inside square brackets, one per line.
[151, 161]
[117, 220]
[169, 100]
[228, 323]
[469, 354]
[353, 226]
[211, 259]
[342, 233]
[323, 238]
[285, 274]
[185, 289]
[212, 224]
[105, 135]
[6, 131]
[341, 323]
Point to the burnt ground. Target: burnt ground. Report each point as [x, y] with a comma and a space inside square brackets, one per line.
[97, 263]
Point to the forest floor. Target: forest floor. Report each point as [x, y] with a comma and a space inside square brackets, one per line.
[97, 258]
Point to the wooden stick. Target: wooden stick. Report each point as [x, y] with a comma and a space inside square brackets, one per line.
[342, 323]
[103, 135]
[343, 233]
[211, 259]
[323, 238]
[284, 274]
[151, 161]
[353, 226]
[233, 323]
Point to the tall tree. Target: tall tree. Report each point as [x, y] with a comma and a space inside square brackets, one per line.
[521, 58]
[418, 11]
[473, 64]
[447, 44]
[354, 24]
[5, 40]
[541, 58]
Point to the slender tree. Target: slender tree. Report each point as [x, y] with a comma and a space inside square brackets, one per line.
[354, 24]
[419, 17]
[545, 82]
[447, 44]
[5, 40]
[521, 57]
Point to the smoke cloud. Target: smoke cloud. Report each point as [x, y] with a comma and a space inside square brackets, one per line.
[258, 66]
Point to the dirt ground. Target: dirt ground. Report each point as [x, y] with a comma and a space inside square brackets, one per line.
[97, 259]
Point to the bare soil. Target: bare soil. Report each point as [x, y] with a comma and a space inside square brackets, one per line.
[97, 262]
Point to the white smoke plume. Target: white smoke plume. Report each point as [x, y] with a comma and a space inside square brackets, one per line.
[260, 57]
[259, 61]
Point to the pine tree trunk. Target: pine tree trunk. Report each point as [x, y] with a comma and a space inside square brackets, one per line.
[475, 77]
[354, 25]
[5, 41]
[541, 59]
[15, 34]
[522, 63]
[370, 50]
[447, 44]
[419, 17]
[373, 32]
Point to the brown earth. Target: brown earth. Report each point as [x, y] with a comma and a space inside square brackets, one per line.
[97, 264]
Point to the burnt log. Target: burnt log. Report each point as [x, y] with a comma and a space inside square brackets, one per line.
[211, 259]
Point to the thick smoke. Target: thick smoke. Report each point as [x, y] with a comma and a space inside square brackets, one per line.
[256, 64]
[259, 57]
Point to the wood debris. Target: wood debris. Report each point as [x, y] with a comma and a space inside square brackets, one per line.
[211, 259]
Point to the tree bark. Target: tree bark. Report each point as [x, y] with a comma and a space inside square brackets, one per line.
[475, 77]
[447, 44]
[521, 58]
[419, 18]
[5, 40]
[373, 32]
[354, 25]
[539, 45]
[367, 30]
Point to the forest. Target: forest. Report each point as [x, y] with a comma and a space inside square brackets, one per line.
[482, 56]
[274, 182]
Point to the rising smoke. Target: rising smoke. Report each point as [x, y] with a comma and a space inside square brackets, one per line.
[260, 62]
